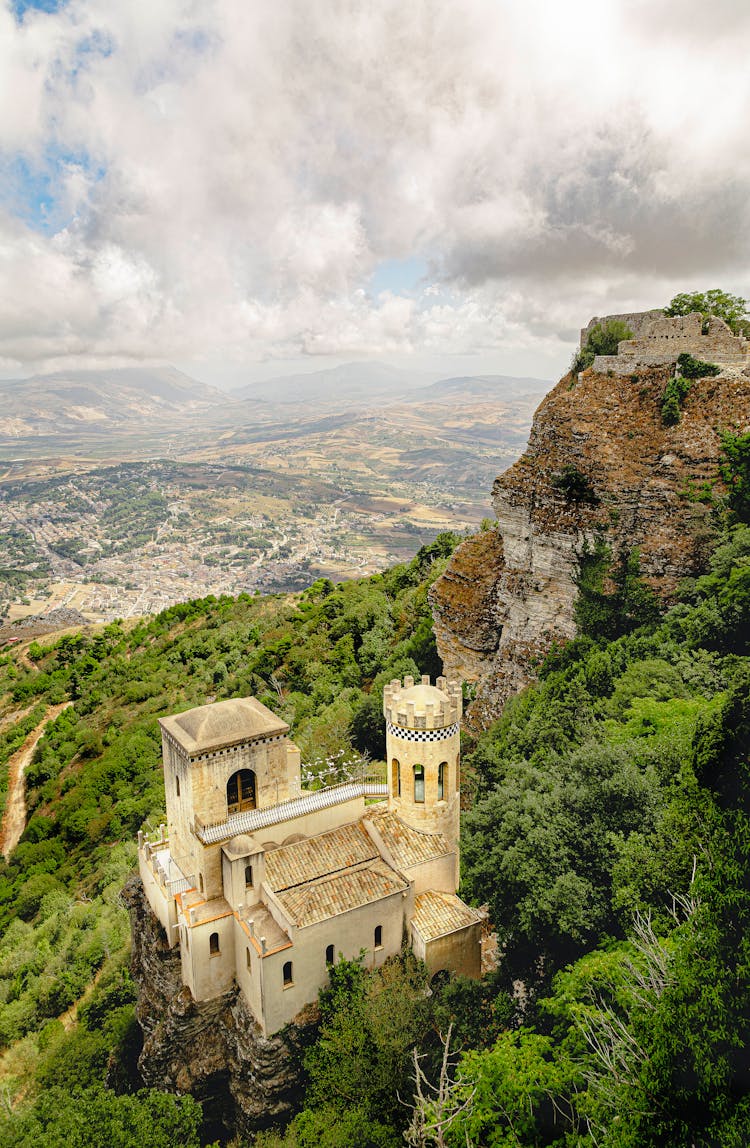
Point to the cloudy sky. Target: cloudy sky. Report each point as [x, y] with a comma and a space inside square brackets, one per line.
[244, 187]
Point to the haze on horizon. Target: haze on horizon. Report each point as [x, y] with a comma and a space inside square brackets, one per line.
[248, 190]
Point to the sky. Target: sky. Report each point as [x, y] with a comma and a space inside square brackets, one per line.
[249, 187]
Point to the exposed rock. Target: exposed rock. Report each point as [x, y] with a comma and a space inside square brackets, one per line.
[212, 1049]
[506, 597]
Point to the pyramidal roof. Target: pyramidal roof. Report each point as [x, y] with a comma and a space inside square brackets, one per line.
[206, 728]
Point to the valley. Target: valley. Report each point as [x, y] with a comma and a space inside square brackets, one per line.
[117, 522]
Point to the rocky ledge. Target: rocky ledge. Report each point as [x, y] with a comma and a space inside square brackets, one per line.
[211, 1049]
[600, 461]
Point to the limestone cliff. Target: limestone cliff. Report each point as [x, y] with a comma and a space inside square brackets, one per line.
[213, 1049]
[508, 594]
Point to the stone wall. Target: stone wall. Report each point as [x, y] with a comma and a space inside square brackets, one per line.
[635, 320]
[661, 339]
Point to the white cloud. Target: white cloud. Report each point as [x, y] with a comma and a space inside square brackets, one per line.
[227, 176]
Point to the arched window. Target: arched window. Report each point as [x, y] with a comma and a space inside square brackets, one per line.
[378, 936]
[247, 960]
[329, 954]
[419, 782]
[458, 772]
[200, 881]
[241, 791]
[287, 973]
[177, 785]
[396, 777]
[213, 944]
[442, 770]
[248, 876]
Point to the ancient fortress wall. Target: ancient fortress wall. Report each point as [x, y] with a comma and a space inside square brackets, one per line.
[635, 320]
[662, 338]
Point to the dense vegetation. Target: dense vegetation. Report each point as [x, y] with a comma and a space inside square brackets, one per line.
[608, 834]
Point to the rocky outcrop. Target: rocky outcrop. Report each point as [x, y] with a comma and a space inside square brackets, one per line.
[212, 1049]
[599, 461]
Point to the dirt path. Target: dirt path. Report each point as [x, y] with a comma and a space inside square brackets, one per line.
[14, 816]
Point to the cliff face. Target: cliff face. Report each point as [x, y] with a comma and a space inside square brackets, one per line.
[212, 1049]
[508, 594]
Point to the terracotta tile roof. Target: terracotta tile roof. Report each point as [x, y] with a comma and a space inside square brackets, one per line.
[328, 896]
[405, 845]
[436, 914]
[315, 857]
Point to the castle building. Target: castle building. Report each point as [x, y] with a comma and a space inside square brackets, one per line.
[262, 884]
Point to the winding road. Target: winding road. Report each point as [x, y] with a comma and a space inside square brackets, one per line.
[14, 815]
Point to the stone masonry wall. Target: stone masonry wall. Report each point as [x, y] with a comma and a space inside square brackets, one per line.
[660, 340]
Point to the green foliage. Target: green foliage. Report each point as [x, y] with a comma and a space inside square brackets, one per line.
[603, 339]
[731, 308]
[612, 599]
[691, 368]
[574, 485]
[734, 468]
[672, 399]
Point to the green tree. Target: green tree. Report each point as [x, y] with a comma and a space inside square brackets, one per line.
[603, 339]
[734, 468]
[731, 308]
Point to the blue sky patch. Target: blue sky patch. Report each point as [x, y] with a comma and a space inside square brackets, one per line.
[21, 7]
[398, 275]
[33, 191]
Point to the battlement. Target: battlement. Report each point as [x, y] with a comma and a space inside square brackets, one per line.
[422, 706]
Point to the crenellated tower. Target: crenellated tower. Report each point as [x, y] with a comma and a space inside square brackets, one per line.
[423, 751]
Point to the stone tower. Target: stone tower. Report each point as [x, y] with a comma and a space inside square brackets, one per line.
[220, 760]
[423, 752]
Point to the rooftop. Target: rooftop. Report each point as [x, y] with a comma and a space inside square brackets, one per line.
[351, 888]
[405, 845]
[326, 854]
[220, 724]
[436, 914]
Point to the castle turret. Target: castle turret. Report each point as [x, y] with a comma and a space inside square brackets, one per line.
[423, 752]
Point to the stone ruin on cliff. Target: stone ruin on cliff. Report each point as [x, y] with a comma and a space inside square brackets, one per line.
[658, 340]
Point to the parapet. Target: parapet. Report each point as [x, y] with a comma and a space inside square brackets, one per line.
[422, 706]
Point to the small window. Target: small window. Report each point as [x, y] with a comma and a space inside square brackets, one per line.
[458, 772]
[396, 777]
[378, 936]
[177, 785]
[329, 954]
[213, 944]
[287, 974]
[200, 881]
[247, 959]
[248, 876]
[419, 783]
[441, 779]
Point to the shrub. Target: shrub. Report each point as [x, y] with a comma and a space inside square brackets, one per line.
[691, 368]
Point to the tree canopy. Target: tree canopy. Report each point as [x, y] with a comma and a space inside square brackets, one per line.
[731, 308]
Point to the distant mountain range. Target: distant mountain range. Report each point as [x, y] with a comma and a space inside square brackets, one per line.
[157, 401]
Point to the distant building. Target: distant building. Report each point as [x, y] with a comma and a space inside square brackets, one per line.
[262, 884]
